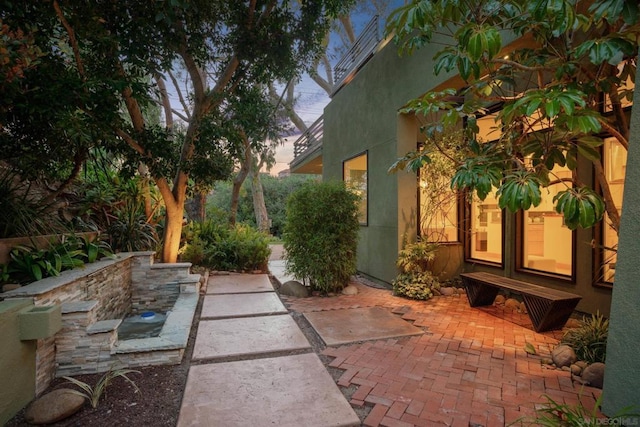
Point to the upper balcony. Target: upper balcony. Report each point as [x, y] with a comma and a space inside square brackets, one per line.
[307, 150]
[361, 51]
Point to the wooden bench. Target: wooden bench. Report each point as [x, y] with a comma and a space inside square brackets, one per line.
[548, 308]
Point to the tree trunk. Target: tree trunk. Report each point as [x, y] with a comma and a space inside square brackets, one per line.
[259, 207]
[172, 231]
[245, 165]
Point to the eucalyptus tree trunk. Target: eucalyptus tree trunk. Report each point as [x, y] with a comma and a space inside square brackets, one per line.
[245, 166]
[259, 207]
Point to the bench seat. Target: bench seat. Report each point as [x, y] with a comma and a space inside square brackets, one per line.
[548, 308]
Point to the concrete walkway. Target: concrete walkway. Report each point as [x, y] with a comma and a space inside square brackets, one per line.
[253, 366]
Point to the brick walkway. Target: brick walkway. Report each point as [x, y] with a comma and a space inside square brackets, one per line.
[469, 369]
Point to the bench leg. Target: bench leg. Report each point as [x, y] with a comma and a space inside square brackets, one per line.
[478, 293]
[548, 315]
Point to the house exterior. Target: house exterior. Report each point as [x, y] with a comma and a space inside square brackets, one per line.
[362, 133]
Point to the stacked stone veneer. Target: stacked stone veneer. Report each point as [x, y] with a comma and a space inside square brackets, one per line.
[94, 301]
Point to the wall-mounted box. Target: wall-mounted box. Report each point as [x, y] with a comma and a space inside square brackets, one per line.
[38, 322]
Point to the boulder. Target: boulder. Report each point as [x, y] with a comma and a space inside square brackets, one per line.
[447, 291]
[54, 406]
[350, 290]
[294, 288]
[593, 375]
[563, 355]
[499, 300]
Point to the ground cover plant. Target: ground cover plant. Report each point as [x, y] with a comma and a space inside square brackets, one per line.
[415, 281]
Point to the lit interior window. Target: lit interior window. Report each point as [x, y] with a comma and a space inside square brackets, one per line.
[547, 242]
[438, 208]
[486, 230]
[615, 166]
[355, 176]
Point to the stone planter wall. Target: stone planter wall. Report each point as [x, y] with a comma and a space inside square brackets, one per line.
[94, 299]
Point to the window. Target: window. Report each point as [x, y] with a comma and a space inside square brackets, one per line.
[438, 203]
[615, 166]
[547, 244]
[485, 241]
[354, 173]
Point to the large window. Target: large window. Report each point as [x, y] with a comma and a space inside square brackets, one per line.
[438, 203]
[355, 176]
[547, 244]
[615, 166]
[486, 230]
[485, 242]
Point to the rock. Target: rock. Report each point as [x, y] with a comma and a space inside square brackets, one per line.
[350, 290]
[523, 308]
[462, 291]
[545, 361]
[54, 406]
[582, 364]
[512, 304]
[294, 288]
[447, 291]
[576, 369]
[563, 355]
[499, 300]
[593, 375]
[573, 323]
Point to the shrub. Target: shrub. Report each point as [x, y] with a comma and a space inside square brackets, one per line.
[321, 235]
[213, 244]
[589, 341]
[415, 280]
[415, 285]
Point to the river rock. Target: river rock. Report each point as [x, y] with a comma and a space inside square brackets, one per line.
[53, 407]
[447, 291]
[593, 375]
[512, 304]
[294, 288]
[523, 308]
[499, 300]
[350, 290]
[563, 355]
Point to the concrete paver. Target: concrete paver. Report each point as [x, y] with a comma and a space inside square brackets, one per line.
[241, 305]
[239, 283]
[337, 327]
[288, 391]
[247, 336]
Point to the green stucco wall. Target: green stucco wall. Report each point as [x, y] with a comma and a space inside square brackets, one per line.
[17, 361]
[622, 374]
[363, 116]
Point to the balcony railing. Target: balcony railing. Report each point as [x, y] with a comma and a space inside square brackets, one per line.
[358, 54]
[309, 140]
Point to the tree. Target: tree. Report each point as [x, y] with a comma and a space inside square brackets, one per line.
[570, 54]
[112, 49]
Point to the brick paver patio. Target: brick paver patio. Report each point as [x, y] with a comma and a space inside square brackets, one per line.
[469, 369]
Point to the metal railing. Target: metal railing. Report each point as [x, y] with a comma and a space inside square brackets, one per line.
[310, 139]
[361, 50]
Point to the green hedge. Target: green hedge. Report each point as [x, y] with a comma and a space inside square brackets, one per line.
[321, 235]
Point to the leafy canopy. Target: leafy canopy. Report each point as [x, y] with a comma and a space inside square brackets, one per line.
[569, 58]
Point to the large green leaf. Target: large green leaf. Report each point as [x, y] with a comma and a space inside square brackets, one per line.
[520, 190]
